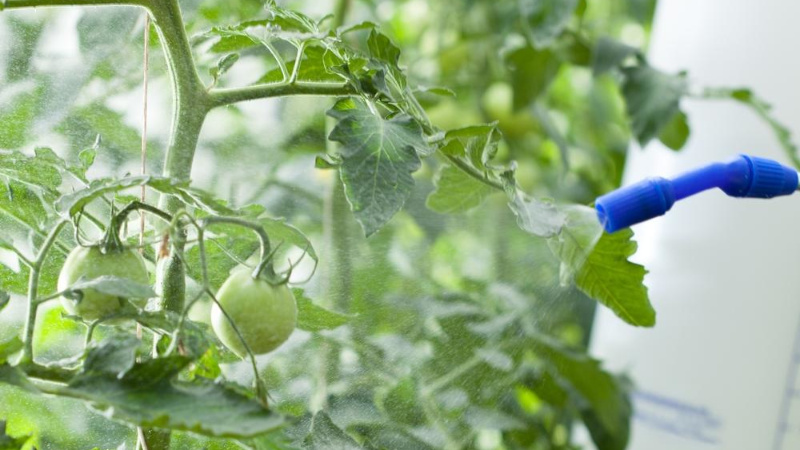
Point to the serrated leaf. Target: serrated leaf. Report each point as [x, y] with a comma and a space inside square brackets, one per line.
[602, 398]
[576, 240]
[378, 157]
[314, 318]
[609, 54]
[532, 71]
[456, 192]
[676, 132]
[653, 98]
[148, 396]
[476, 143]
[546, 19]
[116, 286]
[608, 277]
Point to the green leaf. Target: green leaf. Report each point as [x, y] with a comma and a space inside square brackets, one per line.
[314, 318]
[223, 65]
[10, 347]
[281, 232]
[537, 217]
[115, 355]
[148, 396]
[608, 277]
[312, 69]
[402, 404]
[289, 20]
[675, 133]
[653, 98]
[456, 192]
[378, 157]
[8, 442]
[532, 71]
[576, 240]
[323, 434]
[609, 54]
[84, 124]
[602, 398]
[24, 101]
[477, 144]
[763, 110]
[71, 204]
[546, 19]
[15, 377]
[36, 172]
[116, 286]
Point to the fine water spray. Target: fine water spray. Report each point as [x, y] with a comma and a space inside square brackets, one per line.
[743, 176]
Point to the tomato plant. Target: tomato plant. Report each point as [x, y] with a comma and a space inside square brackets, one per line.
[364, 259]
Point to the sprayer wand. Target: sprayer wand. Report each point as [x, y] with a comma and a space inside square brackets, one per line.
[742, 176]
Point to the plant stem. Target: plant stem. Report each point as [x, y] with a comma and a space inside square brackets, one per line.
[11, 4]
[222, 97]
[33, 291]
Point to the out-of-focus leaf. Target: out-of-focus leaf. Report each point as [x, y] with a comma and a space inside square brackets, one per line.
[602, 398]
[15, 377]
[323, 434]
[675, 133]
[402, 405]
[84, 124]
[378, 158]
[537, 217]
[24, 101]
[7, 442]
[311, 317]
[456, 192]
[762, 110]
[532, 71]
[546, 19]
[608, 277]
[9, 347]
[609, 54]
[148, 396]
[653, 98]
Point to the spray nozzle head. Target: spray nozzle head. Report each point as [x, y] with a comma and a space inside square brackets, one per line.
[742, 176]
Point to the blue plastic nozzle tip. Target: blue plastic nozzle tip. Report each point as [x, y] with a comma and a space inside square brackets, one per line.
[742, 176]
[635, 203]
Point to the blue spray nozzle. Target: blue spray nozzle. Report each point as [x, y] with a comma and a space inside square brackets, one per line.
[742, 176]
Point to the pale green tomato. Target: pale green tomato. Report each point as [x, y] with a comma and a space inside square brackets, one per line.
[265, 314]
[90, 263]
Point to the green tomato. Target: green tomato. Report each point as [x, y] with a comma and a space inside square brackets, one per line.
[265, 314]
[90, 263]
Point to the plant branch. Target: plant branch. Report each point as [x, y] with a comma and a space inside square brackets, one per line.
[223, 97]
[13, 4]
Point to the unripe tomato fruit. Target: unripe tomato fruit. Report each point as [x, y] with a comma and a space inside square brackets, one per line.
[265, 314]
[90, 263]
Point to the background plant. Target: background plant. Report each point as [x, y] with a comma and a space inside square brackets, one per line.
[450, 327]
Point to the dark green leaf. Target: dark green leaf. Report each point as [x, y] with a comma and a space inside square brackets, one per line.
[456, 192]
[114, 355]
[402, 403]
[675, 133]
[148, 396]
[378, 157]
[653, 99]
[311, 317]
[546, 19]
[601, 397]
[15, 377]
[611, 279]
[532, 71]
[610, 54]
